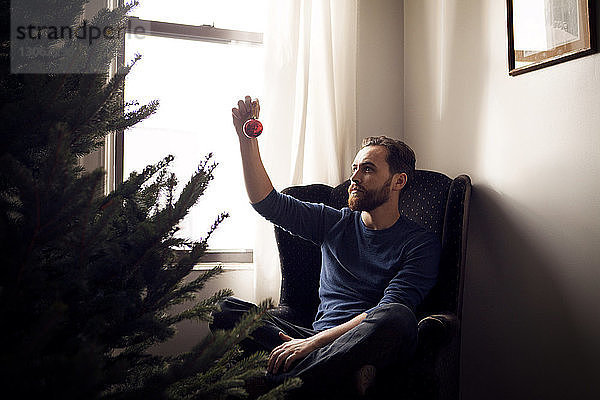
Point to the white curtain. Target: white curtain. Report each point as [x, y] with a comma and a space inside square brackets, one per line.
[308, 106]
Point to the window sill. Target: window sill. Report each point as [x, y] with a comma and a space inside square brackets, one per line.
[227, 266]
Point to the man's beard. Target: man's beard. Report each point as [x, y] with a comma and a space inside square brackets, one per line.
[369, 199]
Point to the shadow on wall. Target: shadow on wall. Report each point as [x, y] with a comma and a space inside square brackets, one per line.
[519, 341]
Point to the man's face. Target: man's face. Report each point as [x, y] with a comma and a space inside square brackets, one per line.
[370, 183]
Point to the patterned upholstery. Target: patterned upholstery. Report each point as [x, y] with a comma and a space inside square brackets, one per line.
[437, 203]
[300, 264]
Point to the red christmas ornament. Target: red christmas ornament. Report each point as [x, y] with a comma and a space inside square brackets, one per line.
[253, 128]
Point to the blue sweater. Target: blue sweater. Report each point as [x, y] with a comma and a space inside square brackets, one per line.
[361, 268]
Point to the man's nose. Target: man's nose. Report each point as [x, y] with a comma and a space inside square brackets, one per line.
[355, 176]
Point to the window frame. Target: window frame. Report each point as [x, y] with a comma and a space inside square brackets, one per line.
[114, 146]
[205, 33]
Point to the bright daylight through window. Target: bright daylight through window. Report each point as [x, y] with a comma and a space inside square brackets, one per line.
[197, 80]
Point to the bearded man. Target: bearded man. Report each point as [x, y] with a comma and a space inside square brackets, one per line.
[377, 266]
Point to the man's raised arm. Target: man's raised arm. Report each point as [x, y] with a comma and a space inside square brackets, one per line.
[258, 184]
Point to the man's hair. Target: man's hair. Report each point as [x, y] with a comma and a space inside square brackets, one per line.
[400, 157]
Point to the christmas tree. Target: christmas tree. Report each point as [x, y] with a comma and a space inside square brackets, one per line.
[87, 279]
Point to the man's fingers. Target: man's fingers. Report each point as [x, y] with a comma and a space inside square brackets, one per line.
[271, 362]
[236, 113]
[273, 357]
[280, 360]
[272, 367]
[283, 356]
[278, 349]
[242, 107]
[288, 361]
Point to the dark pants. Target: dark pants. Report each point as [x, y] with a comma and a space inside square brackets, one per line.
[388, 335]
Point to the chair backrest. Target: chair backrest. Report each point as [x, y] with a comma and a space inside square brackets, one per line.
[300, 262]
[432, 200]
[440, 204]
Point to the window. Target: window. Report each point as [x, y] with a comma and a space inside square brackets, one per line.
[198, 59]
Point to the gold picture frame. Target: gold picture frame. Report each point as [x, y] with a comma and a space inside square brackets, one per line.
[542, 33]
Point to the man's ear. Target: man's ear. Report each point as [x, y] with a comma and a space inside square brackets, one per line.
[399, 181]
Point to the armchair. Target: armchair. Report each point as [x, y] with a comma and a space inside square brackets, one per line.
[439, 204]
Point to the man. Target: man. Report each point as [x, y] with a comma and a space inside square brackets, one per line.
[377, 266]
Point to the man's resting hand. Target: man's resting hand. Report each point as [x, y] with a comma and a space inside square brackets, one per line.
[283, 356]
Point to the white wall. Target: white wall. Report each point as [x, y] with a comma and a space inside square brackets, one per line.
[380, 66]
[531, 145]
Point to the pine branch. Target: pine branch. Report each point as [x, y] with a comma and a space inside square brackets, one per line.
[227, 376]
[280, 391]
[181, 293]
[249, 367]
[202, 310]
[216, 345]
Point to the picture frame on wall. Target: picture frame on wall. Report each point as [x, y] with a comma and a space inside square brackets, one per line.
[542, 33]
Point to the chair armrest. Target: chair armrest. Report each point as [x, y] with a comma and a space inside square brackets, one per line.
[438, 330]
[287, 313]
[437, 357]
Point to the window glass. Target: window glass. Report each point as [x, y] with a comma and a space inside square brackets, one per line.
[197, 84]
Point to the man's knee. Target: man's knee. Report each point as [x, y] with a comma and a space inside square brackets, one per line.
[397, 319]
[229, 312]
[219, 317]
